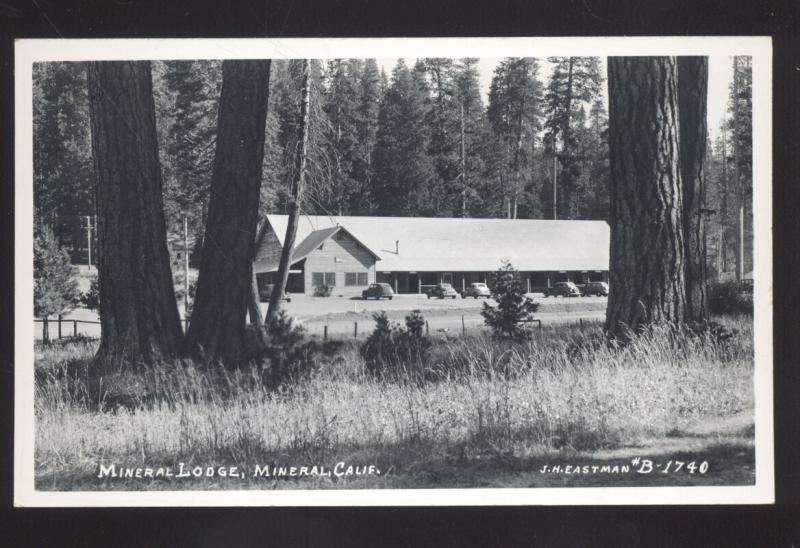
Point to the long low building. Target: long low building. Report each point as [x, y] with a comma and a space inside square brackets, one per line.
[348, 253]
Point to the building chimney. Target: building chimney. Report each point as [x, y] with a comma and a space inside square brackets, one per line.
[397, 247]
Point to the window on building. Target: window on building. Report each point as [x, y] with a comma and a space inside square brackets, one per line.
[318, 279]
[355, 278]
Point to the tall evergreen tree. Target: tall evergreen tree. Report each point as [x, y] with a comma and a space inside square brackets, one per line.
[515, 115]
[138, 311]
[575, 83]
[188, 103]
[403, 170]
[646, 263]
[473, 129]
[63, 178]
[340, 104]
[217, 327]
[370, 94]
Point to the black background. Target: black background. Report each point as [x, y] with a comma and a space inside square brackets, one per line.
[777, 525]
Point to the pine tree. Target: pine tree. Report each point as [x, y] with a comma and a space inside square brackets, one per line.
[403, 170]
[513, 308]
[55, 289]
[574, 84]
[138, 311]
[515, 115]
[340, 104]
[646, 269]
[366, 120]
[63, 178]
[219, 311]
[187, 98]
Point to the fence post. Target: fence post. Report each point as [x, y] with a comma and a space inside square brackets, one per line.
[427, 331]
[75, 328]
[463, 326]
[59, 326]
[325, 333]
[355, 330]
[580, 322]
[45, 329]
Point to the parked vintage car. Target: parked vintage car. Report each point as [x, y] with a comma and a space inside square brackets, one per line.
[564, 289]
[265, 292]
[443, 291]
[476, 290]
[378, 291]
[599, 289]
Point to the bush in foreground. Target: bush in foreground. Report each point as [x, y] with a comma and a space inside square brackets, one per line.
[730, 298]
[513, 309]
[392, 349]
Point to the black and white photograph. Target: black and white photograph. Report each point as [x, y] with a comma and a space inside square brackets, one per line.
[393, 271]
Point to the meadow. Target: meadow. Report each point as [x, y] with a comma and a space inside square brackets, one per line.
[477, 413]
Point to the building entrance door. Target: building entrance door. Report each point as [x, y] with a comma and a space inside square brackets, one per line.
[447, 277]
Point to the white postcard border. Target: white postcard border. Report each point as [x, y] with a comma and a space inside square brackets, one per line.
[30, 51]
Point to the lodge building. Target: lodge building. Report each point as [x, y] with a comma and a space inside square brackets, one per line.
[412, 254]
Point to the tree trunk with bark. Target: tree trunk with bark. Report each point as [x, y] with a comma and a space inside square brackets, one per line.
[295, 195]
[646, 271]
[140, 323]
[692, 101]
[218, 325]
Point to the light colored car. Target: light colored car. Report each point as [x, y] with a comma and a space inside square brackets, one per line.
[477, 290]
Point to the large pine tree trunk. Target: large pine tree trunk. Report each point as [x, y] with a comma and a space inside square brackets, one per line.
[647, 277]
[138, 311]
[295, 194]
[224, 284]
[692, 100]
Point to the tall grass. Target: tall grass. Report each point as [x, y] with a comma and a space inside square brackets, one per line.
[560, 391]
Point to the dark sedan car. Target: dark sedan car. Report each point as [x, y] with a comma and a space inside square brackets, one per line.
[265, 292]
[599, 289]
[443, 291]
[378, 291]
[564, 289]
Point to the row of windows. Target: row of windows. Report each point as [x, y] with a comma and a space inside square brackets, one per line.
[318, 279]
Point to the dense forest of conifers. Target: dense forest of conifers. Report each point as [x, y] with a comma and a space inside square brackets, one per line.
[419, 141]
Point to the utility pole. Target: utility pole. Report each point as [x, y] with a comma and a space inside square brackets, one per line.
[555, 187]
[463, 167]
[736, 178]
[89, 240]
[185, 268]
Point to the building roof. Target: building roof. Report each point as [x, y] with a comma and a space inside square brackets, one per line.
[427, 244]
[308, 244]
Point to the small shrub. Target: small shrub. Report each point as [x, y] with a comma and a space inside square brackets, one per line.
[290, 352]
[91, 299]
[513, 306]
[55, 289]
[730, 298]
[323, 290]
[392, 349]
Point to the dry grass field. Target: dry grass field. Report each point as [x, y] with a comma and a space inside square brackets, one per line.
[489, 414]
